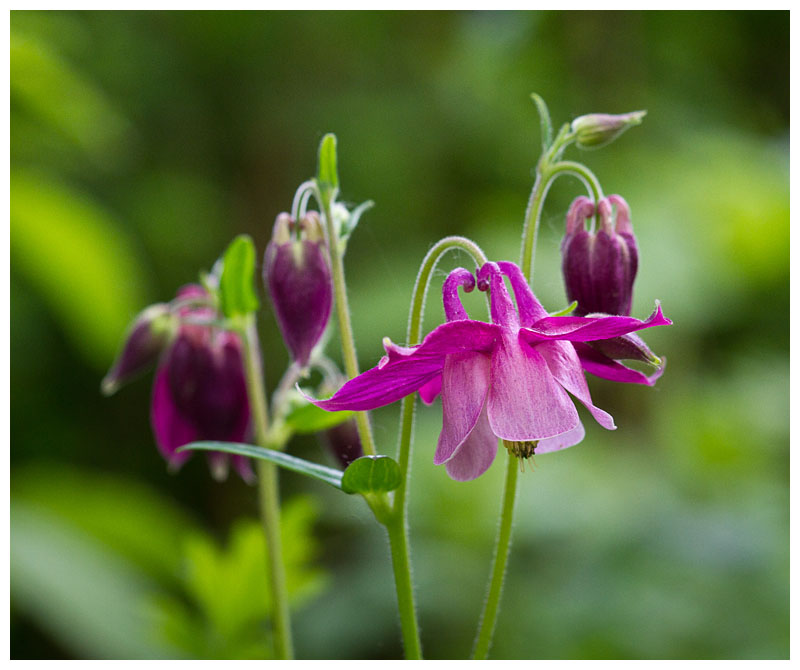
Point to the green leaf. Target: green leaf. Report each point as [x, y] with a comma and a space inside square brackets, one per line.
[299, 465]
[371, 474]
[544, 120]
[566, 310]
[237, 294]
[327, 174]
[309, 418]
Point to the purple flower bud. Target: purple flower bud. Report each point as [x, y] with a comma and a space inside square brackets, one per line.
[149, 334]
[593, 131]
[297, 275]
[200, 392]
[599, 267]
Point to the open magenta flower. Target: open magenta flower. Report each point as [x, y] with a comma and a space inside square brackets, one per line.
[509, 379]
[200, 392]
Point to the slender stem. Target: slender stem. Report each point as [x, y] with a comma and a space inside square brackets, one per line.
[345, 326]
[546, 173]
[401, 565]
[502, 550]
[268, 493]
[270, 518]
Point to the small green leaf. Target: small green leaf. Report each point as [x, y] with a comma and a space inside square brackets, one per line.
[371, 474]
[327, 174]
[566, 310]
[544, 120]
[237, 295]
[311, 419]
[303, 467]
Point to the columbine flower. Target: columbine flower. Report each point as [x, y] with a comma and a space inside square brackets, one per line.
[599, 270]
[200, 391]
[297, 275]
[508, 379]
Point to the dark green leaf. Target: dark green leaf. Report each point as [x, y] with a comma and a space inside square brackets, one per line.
[237, 293]
[303, 467]
[327, 174]
[371, 474]
[311, 419]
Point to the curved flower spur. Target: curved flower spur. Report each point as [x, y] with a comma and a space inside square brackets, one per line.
[509, 379]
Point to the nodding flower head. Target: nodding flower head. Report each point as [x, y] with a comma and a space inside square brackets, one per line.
[297, 274]
[509, 379]
[200, 391]
[600, 266]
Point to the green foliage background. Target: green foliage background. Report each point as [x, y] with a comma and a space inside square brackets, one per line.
[142, 143]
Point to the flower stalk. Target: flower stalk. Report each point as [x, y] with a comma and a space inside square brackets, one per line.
[343, 314]
[269, 501]
[502, 549]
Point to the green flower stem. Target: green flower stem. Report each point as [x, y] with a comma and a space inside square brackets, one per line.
[343, 313]
[268, 492]
[546, 173]
[502, 550]
[401, 565]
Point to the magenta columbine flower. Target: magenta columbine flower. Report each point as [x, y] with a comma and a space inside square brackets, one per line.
[599, 267]
[509, 379]
[200, 392]
[297, 275]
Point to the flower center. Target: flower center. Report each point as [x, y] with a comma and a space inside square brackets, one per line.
[522, 450]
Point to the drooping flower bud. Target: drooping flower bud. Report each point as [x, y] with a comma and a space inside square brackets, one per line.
[297, 275]
[200, 391]
[149, 334]
[599, 267]
[593, 131]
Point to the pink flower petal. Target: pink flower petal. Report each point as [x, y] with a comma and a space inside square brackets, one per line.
[568, 439]
[430, 390]
[407, 369]
[465, 384]
[525, 401]
[584, 329]
[171, 429]
[565, 366]
[476, 453]
[602, 366]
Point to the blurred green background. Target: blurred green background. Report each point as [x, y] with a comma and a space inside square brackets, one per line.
[141, 143]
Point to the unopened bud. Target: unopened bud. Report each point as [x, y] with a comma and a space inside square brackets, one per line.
[149, 334]
[593, 131]
[600, 267]
[297, 275]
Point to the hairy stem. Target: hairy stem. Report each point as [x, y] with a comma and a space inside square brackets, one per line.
[345, 327]
[502, 550]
